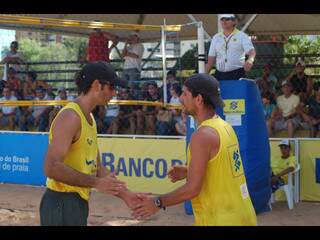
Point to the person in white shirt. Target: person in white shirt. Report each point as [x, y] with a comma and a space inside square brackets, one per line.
[62, 95]
[7, 113]
[12, 57]
[228, 51]
[112, 111]
[175, 92]
[285, 115]
[132, 55]
[36, 115]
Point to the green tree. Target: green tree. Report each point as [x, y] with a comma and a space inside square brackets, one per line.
[72, 49]
[302, 45]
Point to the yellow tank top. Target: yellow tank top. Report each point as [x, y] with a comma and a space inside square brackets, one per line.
[224, 198]
[82, 155]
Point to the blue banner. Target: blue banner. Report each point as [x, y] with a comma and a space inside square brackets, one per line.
[22, 157]
[317, 170]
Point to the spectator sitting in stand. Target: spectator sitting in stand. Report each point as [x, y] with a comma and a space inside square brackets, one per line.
[302, 84]
[13, 82]
[180, 126]
[31, 82]
[175, 92]
[125, 118]
[111, 113]
[150, 112]
[62, 95]
[134, 91]
[36, 115]
[144, 90]
[311, 114]
[268, 105]
[171, 79]
[7, 113]
[282, 166]
[267, 82]
[285, 115]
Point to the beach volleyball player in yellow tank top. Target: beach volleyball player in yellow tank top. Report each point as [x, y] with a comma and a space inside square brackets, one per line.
[72, 163]
[215, 180]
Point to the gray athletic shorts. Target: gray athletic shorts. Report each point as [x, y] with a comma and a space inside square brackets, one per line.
[63, 209]
[282, 124]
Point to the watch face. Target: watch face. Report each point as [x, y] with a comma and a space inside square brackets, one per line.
[157, 202]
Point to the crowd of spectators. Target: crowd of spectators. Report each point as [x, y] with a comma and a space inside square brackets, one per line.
[289, 104]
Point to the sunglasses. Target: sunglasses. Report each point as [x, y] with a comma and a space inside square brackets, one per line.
[284, 147]
[111, 86]
[226, 19]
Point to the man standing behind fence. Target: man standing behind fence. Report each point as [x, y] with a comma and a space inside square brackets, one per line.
[228, 50]
[132, 55]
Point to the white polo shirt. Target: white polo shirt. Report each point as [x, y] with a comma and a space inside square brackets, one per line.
[131, 62]
[230, 51]
[8, 109]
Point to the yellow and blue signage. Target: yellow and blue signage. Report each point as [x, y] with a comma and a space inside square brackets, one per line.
[143, 163]
[234, 106]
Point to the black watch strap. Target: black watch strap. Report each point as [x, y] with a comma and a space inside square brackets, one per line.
[158, 203]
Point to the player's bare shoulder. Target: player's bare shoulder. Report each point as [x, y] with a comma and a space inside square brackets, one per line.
[67, 122]
[207, 138]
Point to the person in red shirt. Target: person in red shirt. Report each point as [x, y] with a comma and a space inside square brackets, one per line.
[13, 82]
[98, 47]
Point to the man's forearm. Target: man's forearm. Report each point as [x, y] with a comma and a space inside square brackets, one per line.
[210, 63]
[252, 55]
[285, 172]
[133, 55]
[186, 192]
[65, 174]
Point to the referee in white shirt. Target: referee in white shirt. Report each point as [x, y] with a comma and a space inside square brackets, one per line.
[228, 51]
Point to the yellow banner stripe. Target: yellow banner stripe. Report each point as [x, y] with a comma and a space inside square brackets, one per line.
[24, 103]
[53, 22]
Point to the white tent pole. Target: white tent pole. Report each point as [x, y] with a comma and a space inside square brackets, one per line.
[252, 18]
[201, 53]
[195, 20]
[164, 67]
[218, 23]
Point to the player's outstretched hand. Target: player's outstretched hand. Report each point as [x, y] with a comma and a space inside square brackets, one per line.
[110, 185]
[177, 173]
[145, 209]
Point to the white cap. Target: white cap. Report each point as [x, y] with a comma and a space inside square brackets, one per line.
[301, 62]
[285, 142]
[227, 16]
[135, 33]
[286, 82]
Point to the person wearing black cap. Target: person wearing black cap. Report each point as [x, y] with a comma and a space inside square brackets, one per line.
[72, 163]
[215, 180]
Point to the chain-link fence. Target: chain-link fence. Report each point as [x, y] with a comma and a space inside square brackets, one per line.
[181, 60]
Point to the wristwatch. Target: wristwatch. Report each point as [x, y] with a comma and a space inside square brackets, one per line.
[251, 60]
[158, 203]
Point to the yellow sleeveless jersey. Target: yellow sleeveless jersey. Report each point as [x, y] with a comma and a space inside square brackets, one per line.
[82, 155]
[224, 198]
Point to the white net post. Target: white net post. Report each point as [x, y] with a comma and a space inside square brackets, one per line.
[163, 46]
[201, 51]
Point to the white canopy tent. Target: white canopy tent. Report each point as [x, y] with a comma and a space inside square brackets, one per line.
[203, 26]
[262, 24]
